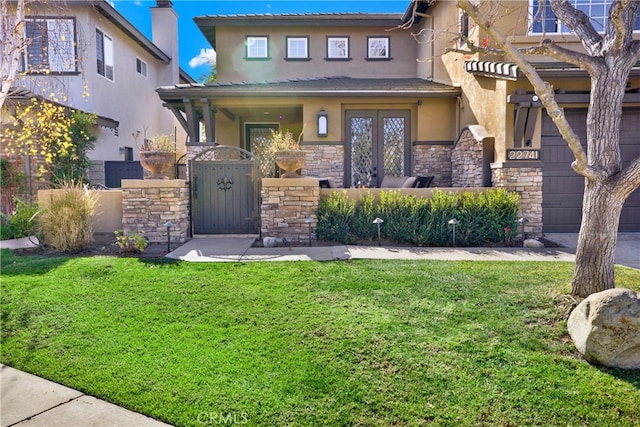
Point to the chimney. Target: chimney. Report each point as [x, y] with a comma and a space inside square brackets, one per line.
[164, 31]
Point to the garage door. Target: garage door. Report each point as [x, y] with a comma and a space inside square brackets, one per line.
[562, 188]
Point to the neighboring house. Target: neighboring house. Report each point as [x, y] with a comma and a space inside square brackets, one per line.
[398, 105]
[90, 58]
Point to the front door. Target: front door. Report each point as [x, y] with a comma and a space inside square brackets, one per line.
[378, 143]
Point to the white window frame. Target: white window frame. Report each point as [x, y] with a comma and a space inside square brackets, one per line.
[257, 47]
[378, 47]
[141, 67]
[334, 50]
[60, 49]
[106, 56]
[293, 47]
[599, 23]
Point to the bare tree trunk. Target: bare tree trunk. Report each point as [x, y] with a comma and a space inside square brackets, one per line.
[603, 198]
[593, 269]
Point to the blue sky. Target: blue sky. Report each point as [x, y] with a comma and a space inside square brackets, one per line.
[193, 43]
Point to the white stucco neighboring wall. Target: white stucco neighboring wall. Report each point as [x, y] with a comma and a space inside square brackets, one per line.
[130, 99]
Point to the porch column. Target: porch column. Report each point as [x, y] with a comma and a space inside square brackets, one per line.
[209, 118]
[192, 121]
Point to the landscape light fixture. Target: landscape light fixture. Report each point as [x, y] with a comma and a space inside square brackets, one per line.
[168, 224]
[309, 221]
[453, 222]
[323, 123]
[521, 222]
[378, 221]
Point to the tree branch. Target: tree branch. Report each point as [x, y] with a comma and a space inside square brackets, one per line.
[550, 48]
[628, 179]
[543, 89]
[580, 24]
[622, 16]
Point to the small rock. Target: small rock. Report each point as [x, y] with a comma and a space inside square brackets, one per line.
[605, 328]
[269, 242]
[532, 243]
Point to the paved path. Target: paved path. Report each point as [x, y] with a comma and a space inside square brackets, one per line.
[30, 401]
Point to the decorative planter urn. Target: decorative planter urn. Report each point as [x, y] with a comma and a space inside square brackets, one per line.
[157, 162]
[290, 161]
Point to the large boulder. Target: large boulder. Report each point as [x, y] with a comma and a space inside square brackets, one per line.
[605, 328]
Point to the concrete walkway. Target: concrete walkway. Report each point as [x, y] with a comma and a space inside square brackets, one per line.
[235, 249]
[27, 400]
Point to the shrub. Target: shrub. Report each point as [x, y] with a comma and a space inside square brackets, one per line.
[366, 210]
[335, 214]
[482, 217]
[23, 222]
[131, 242]
[66, 225]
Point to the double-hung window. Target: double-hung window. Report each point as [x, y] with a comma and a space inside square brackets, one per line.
[104, 54]
[297, 47]
[257, 47]
[338, 48]
[51, 45]
[543, 20]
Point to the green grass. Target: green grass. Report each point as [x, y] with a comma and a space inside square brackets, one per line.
[306, 343]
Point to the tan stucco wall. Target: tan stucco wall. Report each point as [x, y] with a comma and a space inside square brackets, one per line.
[233, 67]
[107, 216]
[434, 120]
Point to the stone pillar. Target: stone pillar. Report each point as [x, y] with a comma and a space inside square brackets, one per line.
[526, 180]
[147, 205]
[433, 158]
[325, 161]
[286, 204]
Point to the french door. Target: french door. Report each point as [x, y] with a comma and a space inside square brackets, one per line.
[378, 143]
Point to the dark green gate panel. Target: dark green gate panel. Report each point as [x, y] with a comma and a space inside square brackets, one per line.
[224, 199]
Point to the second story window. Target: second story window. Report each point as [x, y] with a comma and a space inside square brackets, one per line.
[51, 45]
[104, 54]
[378, 48]
[297, 48]
[543, 20]
[338, 48]
[257, 47]
[141, 67]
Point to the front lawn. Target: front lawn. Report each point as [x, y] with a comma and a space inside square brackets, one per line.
[309, 343]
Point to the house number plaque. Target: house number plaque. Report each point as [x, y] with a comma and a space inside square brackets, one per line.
[523, 154]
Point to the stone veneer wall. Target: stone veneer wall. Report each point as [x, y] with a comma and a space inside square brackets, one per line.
[433, 159]
[147, 205]
[526, 180]
[466, 161]
[325, 161]
[286, 204]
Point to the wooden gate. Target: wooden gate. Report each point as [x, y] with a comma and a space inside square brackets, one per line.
[225, 191]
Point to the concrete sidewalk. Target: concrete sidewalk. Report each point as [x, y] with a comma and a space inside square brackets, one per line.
[239, 249]
[27, 400]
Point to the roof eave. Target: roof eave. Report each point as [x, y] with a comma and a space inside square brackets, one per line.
[106, 10]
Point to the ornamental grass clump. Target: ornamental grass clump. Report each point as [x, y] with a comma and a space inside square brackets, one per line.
[66, 224]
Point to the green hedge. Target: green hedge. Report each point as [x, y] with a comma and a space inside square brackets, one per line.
[482, 217]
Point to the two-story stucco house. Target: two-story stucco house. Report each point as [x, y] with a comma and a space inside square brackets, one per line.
[396, 103]
[87, 56]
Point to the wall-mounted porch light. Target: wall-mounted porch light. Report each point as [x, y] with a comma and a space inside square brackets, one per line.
[323, 123]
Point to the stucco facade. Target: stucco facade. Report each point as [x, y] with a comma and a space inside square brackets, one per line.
[125, 101]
